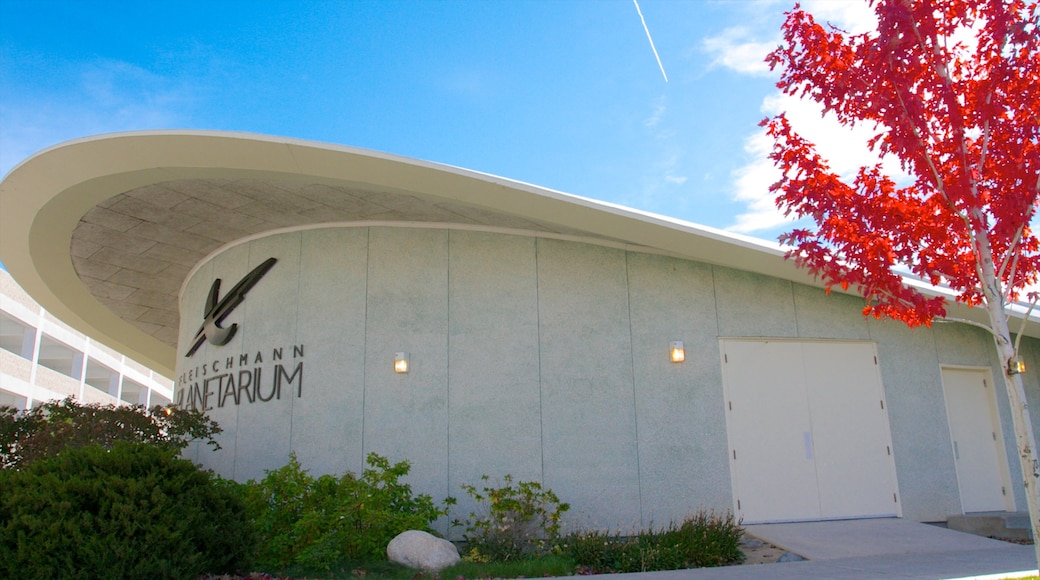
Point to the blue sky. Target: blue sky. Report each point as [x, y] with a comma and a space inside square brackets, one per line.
[564, 94]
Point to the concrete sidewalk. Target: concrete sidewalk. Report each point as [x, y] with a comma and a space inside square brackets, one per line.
[874, 548]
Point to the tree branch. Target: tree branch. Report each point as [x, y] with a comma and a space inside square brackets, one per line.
[955, 115]
[976, 248]
[968, 322]
[1025, 319]
[1012, 255]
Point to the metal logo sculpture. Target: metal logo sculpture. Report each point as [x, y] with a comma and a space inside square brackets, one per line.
[218, 309]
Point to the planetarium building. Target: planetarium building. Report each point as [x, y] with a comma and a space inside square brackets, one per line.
[334, 302]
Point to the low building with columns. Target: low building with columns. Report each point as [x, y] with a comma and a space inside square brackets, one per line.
[334, 302]
[43, 359]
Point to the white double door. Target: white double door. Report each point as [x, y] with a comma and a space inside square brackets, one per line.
[808, 431]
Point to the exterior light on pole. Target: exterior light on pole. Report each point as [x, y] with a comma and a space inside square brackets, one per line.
[1016, 366]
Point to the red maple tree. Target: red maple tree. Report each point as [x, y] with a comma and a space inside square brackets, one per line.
[953, 90]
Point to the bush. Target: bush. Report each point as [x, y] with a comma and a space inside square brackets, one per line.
[517, 521]
[50, 428]
[703, 539]
[708, 539]
[315, 523]
[595, 552]
[134, 511]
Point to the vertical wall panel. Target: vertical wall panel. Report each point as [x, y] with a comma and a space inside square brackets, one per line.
[679, 407]
[588, 411]
[328, 419]
[962, 344]
[265, 428]
[834, 315]
[754, 305]
[406, 415]
[229, 266]
[924, 464]
[495, 404]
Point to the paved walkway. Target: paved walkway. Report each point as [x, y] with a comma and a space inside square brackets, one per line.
[874, 548]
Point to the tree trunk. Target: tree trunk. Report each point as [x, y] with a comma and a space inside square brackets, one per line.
[1025, 441]
[1024, 438]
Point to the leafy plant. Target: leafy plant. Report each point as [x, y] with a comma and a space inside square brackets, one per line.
[316, 522]
[132, 511]
[516, 520]
[595, 551]
[707, 539]
[50, 428]
[703, 539]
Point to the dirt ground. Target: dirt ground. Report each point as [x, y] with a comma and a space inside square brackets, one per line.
[757, 551]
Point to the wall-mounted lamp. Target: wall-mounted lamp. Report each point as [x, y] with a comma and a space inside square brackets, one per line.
[677, 353]
[400, 362]
[1016, 366]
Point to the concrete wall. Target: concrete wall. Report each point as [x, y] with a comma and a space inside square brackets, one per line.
[541, 358]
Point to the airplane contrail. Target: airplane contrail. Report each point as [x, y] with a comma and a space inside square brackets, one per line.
[652, 47]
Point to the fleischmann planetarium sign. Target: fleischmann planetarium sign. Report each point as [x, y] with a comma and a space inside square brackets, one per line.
[242, 378]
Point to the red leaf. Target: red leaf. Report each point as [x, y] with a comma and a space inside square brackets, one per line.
[963, 117]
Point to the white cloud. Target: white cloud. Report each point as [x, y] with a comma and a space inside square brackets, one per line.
[751, 187]
[663, 177]
[660, 108]
[852, 16]
[670, 153]
[845, 149]
[661, 161]
[734, 50]
[743, 49]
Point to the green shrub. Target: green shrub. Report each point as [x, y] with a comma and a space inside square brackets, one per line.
[316, 522]
[134, 511]
[52, 427]
[516, 521]
[594, 551]
[708, 539]
[703, 539]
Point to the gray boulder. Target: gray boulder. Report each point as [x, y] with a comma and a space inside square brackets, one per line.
[422, 551]
[790, 557]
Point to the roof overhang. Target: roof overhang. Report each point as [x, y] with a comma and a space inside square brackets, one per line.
[58, 208]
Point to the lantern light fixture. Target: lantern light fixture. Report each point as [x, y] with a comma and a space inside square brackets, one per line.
[677, 353]
[1016, 366]
[401, 362]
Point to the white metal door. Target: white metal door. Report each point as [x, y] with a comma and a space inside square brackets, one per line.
[771, 454]
[808, 431]
[853, 443]
[978, 444]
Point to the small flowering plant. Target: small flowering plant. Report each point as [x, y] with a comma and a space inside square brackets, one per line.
[517, 520]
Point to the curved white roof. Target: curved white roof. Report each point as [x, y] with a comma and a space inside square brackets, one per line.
[103, 231]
